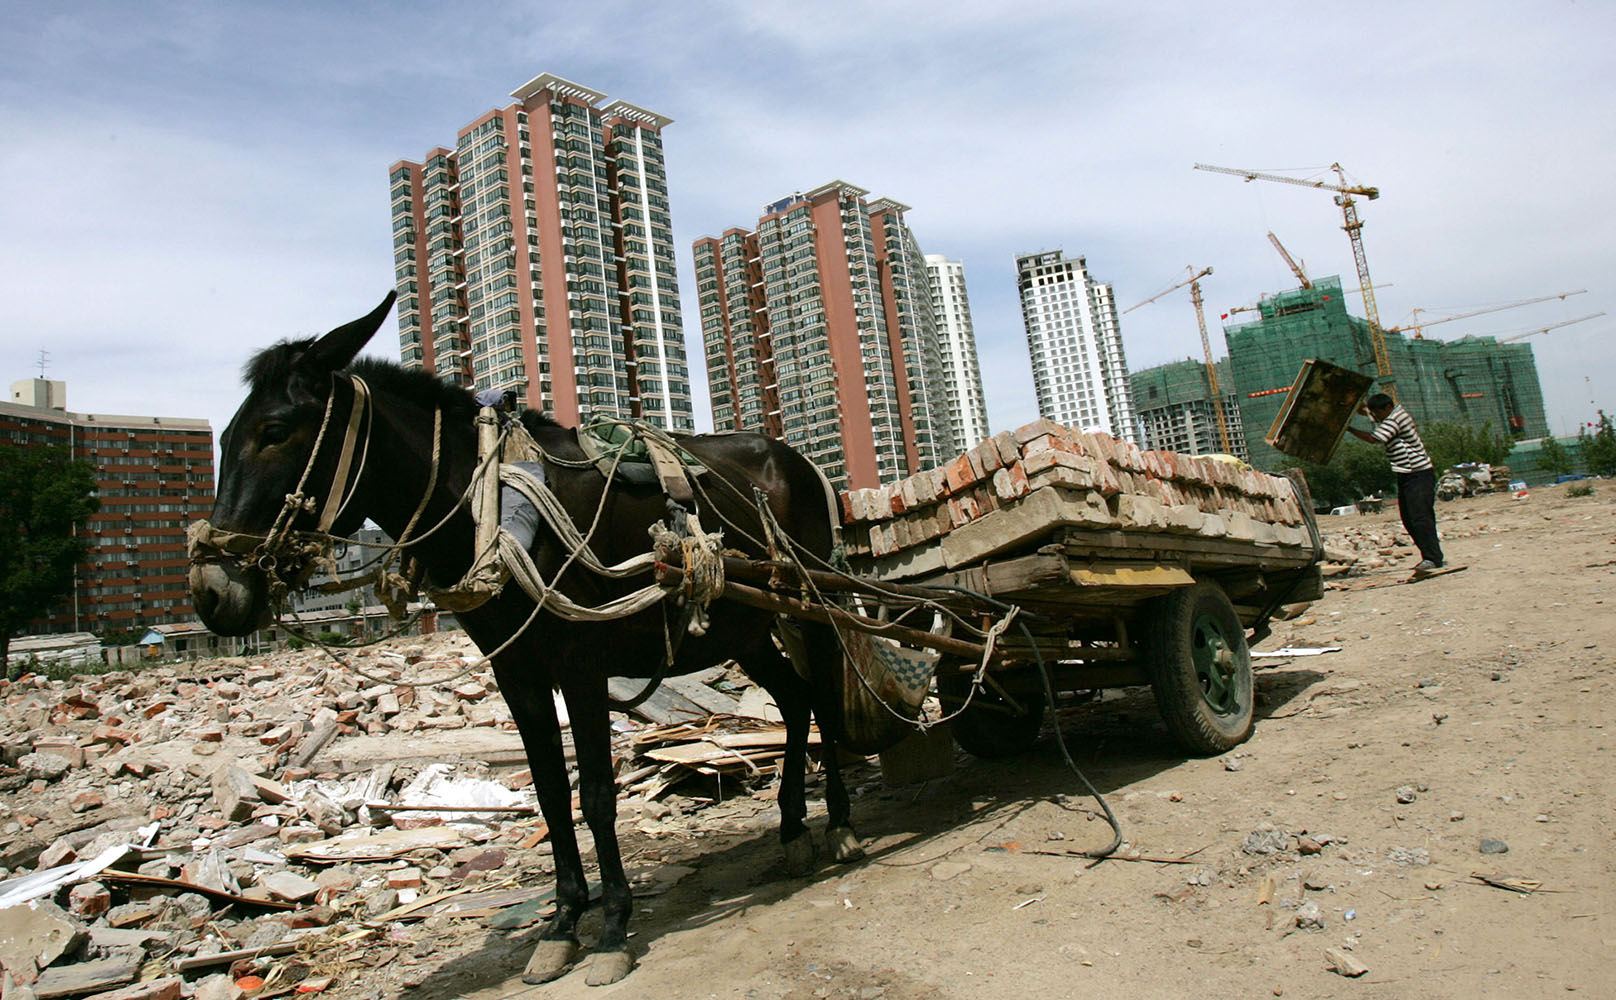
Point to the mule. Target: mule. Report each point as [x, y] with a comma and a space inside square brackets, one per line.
[274, 446]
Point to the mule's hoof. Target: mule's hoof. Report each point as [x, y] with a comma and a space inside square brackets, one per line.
[609, 966]
[800, 855]
[550, 960]
[844, 844]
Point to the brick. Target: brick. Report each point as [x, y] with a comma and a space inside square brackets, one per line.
[911, 496]
[167, 988]
[986, 457]
[1241, 527]
[1213, 526]
[1023, 523]
[902, 534]
[961, 474]
[88, 900]
[1184, 519]
[846, 500]
[1140, 512]
[1037, 461]
[1009, 451]
[84, 801]
[939, 483]
[1038, 428]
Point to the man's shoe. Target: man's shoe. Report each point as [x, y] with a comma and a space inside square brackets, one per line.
[1427, 566]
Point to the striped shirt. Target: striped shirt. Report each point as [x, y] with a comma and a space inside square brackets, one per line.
[1404, 449]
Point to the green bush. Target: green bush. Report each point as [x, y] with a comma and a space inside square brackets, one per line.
[1580, 490]
[331, 638]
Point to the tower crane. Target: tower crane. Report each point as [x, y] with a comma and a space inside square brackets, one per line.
[1551, 326]
[1296, 268]
[1354, 227]
[1194, 281]
[1419, 326]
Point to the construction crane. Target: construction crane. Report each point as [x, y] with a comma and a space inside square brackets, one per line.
[1419, 327]
[1354, 227]
[1194, 281]
[1551, 326]
[1296, 268]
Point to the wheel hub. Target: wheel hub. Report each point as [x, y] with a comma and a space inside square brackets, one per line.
[1215, 664]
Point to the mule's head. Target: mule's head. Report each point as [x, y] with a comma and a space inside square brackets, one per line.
[264, 453]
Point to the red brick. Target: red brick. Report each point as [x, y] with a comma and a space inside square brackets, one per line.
[1038, 428]
[961, 473]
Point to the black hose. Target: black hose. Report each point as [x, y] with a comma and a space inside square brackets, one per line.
[1054, 720]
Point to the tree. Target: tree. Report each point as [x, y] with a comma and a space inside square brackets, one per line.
[45, 500]
[1554, 457]
[1451, 444]
[1599, 448]
[1357, 470]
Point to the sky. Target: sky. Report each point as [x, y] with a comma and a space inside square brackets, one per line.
[187, 183]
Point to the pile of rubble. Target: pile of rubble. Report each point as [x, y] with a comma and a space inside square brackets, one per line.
[1054, 475]
[1363, 549]
[262, 826]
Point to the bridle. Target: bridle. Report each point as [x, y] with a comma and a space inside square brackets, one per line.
[288, 557]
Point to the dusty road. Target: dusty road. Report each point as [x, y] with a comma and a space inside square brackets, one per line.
[1464, 708]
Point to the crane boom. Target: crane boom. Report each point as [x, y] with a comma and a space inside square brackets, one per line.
[1354, 228]
[1257, 175]
[1296, 268]
[1551, 326]
[1192, 278]
[1419, 325]
[1194, 281]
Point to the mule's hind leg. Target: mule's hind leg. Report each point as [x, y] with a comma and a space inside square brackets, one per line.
[794, 697]
[597, 790]
[534, 711]
[825, 653]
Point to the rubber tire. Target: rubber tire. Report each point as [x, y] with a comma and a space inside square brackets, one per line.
[1184, 631]
[982, 730]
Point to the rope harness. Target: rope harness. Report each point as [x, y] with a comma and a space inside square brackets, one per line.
[288, 558]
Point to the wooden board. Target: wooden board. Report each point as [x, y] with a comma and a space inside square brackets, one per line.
[1317, 410]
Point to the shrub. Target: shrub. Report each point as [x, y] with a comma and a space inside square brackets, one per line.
[1580, 490]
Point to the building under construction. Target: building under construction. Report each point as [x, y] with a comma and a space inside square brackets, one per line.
[1473, 380]
[1173, 405]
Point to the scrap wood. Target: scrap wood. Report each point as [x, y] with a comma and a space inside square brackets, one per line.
[527, 810]
[1183, 859]
[217, 895]
[1511, 883]
[495, 897]
[383, 846]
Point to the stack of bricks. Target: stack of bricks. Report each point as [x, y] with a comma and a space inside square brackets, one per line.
[1052, 476]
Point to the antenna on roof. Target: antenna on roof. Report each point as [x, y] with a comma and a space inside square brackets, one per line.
[44, 359]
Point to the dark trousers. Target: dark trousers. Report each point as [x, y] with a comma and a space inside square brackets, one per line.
[1416, 502]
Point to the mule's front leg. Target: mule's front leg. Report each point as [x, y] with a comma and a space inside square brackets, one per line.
[597, 788]
[534, 710]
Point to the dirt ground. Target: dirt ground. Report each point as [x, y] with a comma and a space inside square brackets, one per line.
[1463, 708]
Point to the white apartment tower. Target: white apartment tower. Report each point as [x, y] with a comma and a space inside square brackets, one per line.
[1078, 368]
[962, 372]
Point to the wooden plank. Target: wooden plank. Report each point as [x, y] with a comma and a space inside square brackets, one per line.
[1130, 575]
[715, 702]
[663, 707]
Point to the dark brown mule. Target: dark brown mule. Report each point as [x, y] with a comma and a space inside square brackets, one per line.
[274, 441]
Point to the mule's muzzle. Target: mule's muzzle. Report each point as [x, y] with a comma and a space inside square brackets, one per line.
[230, 600]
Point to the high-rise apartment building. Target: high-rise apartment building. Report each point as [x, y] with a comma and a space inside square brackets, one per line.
[962, 370]
[1174, 402]
[537, 254]
[1078, 368]
[818, 330]
[154, 476]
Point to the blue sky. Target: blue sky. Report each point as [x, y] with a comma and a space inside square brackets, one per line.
[188, 182]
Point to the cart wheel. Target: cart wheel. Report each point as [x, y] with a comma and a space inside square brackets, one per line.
[988, 728]
[1200, 668]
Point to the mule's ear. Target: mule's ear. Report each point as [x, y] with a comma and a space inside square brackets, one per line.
[337, 349]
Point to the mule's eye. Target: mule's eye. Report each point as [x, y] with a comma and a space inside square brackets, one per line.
[273, 433]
